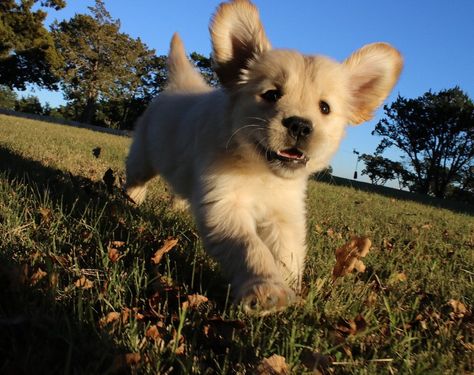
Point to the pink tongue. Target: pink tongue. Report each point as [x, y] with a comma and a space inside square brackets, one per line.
[291, 154]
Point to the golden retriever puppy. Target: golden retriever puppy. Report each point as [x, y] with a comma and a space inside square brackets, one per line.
[241, 154]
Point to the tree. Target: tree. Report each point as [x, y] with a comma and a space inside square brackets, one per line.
[380, 170]
[8, 98]
[101, 63]
[204, 65]
[435, 132]
[27, 51]
[29, 104]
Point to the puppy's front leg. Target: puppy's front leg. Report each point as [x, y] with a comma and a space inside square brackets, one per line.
[231, 237]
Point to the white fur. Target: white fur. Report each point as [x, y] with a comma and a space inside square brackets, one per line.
[250, 210]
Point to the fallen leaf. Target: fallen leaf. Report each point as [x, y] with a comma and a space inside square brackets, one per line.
[46, 215]
[397, 278]
[351, 326]
[53, 279]
[194, 301]
[114, 254]
[333, 234]
[84, 283]
[167, 246]
[459, 309]
[37, 276]
[371, 299]
[109, 318]
[132, 359]
[348, 257]
[274, 365]
[59, 259]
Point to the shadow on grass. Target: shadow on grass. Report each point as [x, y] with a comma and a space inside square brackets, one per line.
[455, 206]
[39, 335]
[38, 331]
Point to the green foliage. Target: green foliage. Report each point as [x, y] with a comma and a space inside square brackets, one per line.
[436, 134]
[29, 104]
[27, 51]
[204, 65]
[103, 65]
[380, 170]
[7, 97]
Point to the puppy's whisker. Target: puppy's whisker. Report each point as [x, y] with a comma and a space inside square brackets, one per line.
[259, 127]
[265, 121]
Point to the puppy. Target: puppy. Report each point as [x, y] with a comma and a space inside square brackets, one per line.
[241, 155]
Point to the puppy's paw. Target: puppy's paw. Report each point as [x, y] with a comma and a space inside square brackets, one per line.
[266, 297]
[136, 194]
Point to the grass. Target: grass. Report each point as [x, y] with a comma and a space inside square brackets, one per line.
[79, 293]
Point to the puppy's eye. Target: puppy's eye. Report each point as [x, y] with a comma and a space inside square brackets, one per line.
[272, 96]
[324, 107]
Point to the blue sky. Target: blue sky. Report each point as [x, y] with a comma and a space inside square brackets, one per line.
[436, 38]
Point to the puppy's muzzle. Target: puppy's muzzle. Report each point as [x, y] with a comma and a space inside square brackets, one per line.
[299, 128]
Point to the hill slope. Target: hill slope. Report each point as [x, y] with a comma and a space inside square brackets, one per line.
[80, 292]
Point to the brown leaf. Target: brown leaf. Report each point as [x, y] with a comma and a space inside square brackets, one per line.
[132, 359]
[59, 259]
[114, 255]
[37, 276]
[348, 256]
[46, 215]
[84, 283]
[117, 244]
[397, 278]
[274, 365]
[351, 326]
[167, 246]
[333, 234]
[459, 309]
[109, 318]
[193, 301]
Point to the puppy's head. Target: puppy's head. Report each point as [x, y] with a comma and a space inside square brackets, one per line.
[289, 110]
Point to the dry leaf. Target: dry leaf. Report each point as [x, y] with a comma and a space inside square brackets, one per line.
[397, 278]
[351, 326]
[37, 276]
[46, 215]
[348, 256]
[274, 365]
[84, 283]
[371, 299]
[109, 318]
[59, 259]
[114, 254]
[459, 309]
[194, 301]
[167, 246]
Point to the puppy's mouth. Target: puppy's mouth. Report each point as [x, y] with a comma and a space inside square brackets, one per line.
[291, 157]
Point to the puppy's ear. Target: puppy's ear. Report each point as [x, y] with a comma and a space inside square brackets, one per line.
[237, 37]
[373, 70]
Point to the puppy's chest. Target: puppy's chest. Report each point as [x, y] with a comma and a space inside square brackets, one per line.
[271, 199]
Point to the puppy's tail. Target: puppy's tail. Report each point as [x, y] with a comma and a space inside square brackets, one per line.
[182, 76]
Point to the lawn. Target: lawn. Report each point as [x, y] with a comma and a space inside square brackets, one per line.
[91, 284]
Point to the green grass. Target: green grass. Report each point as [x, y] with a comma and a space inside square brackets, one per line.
[410, 312]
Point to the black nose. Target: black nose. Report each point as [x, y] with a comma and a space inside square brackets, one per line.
[298, 127]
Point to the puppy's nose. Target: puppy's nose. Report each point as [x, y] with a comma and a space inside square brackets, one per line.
[298, 127]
